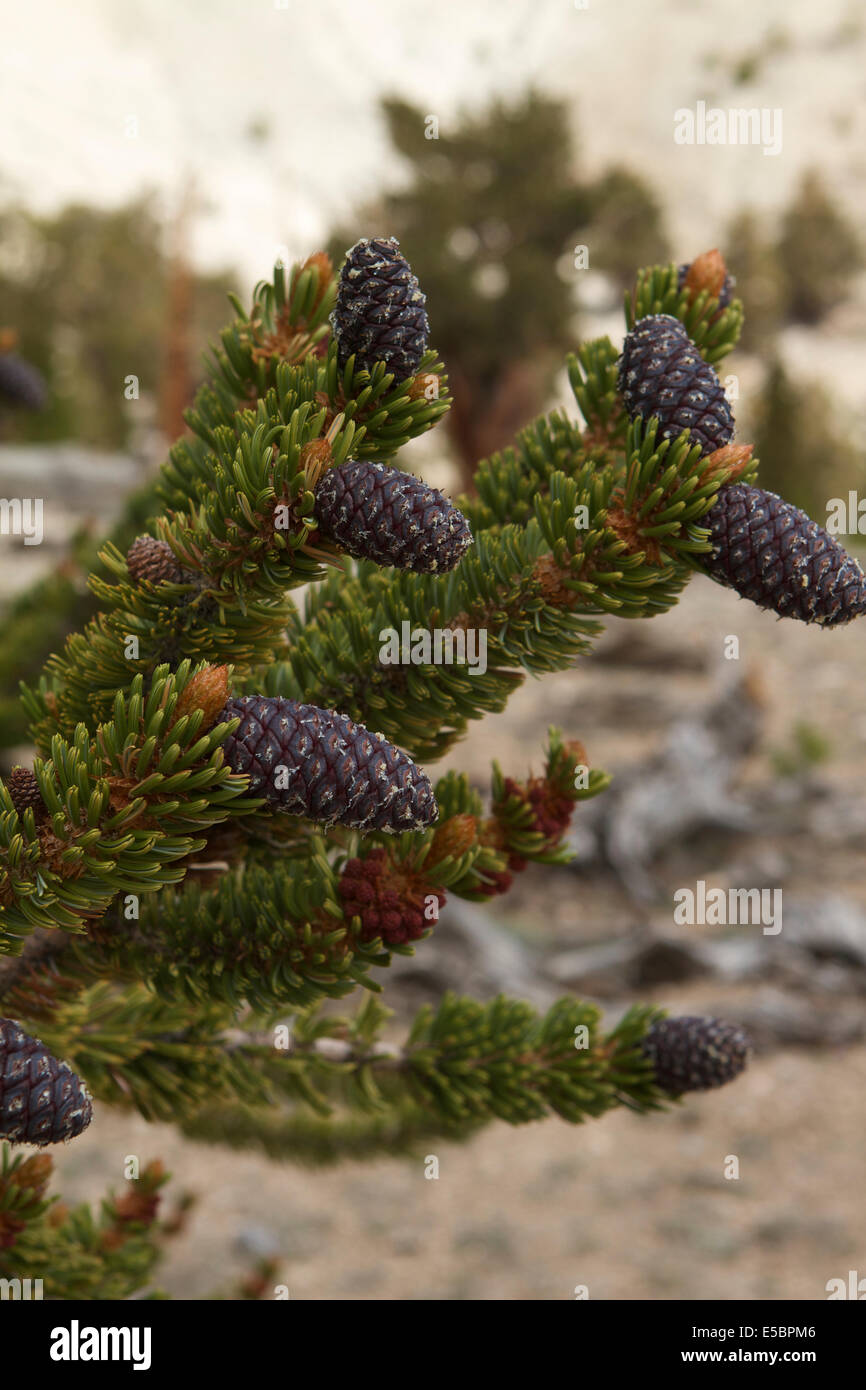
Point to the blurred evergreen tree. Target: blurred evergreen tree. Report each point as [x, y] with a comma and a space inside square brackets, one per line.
[62, 278]
[806, 454]
[489, 219]
[799, 274]
[819, 250]
[759, 280]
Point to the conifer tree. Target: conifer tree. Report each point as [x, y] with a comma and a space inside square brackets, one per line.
[492, 207]
[232, 820]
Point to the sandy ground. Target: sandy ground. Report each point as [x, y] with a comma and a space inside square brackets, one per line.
[631, 1207]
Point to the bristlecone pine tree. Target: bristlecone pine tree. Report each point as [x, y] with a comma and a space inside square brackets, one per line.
[231, 820]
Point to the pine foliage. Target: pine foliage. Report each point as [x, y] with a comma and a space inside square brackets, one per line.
[180, 943]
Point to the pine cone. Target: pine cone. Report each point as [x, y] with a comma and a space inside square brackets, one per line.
[661, 373]
[21, 384]
[695, 1054]
[379, 315]
[774, 554]
[23, 788]
[382, 514]
[154, 561]
[334, 770]
[42, 1101]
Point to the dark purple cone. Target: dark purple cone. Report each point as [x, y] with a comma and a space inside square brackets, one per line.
[774, 554]
[695, 1054]
[661, 373]
[21, 384]
[727, 293]
[379, 513]
[379, 314]
[334, 770]
[42, 1101]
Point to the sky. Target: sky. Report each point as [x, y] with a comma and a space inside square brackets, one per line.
[99, 100]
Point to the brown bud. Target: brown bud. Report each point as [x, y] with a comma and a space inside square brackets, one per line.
[153, 1172]
[136, 1205]
[550, 578]
[208, 691]
[707, 272]
[729, 462]
[454, 837]
[34, 1173]
[8, 340]
[574, 753]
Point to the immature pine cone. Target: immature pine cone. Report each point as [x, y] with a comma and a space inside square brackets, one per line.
[21, 384]
[379, 314]
[775, 555]
[23, 788]
[153, 560]
[661, 373]
[333, 770]
[42, 1101]
[695, 1054]
[382, 514]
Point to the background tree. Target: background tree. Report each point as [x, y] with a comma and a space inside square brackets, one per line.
[806, 452]
[798, 271]
[61, 279]
[819, 251]
[489, 218]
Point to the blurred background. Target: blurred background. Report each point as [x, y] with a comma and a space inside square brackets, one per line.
[156, 157]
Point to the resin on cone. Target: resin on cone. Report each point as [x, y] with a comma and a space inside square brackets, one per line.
[771, 552]
[662, 374]
[379, 315]
[316, 763]
[378, 513]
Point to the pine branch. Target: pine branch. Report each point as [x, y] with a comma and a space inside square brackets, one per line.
[118, 812]
[76, 1253]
